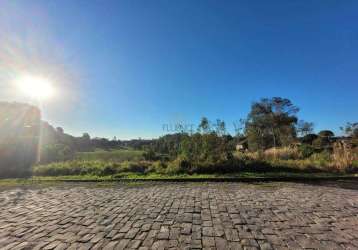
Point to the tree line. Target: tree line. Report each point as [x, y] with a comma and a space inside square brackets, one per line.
[272, 122]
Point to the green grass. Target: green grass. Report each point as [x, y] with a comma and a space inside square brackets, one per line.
[111, 155]
[14, 182]
[253, 176]
[155, 176]
[355, 163]
[94, 167]
[236, 175]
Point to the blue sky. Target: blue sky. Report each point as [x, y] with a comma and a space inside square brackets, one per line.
[125, 68]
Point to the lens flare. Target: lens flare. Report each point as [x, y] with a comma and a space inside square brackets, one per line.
[35, 87]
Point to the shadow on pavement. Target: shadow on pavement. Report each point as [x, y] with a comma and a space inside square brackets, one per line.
[345, 184]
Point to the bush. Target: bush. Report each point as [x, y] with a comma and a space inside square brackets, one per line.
[150, 155]
[322, 143]
[326, 133]
[221, 166]
[108, 170]
[136, 167]
[180, 165]
[308, 139]
[320, 160]
[158, 167]
[305, 150]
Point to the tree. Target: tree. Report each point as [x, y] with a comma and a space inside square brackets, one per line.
[309, 138]
[86, 136]
[220, 127]
[271, 123]
[150, 155]
[168, 144]
[324, 139]
[204, 126]
[351, 129]
[239, 128]
[59, 130]
[326, 133]
[304, 128]
[84, 143]
[206, 148]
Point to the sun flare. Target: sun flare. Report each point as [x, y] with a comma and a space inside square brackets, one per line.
[35, 87]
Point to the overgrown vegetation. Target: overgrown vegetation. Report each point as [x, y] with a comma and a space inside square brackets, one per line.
[287, 159]
[271, 140]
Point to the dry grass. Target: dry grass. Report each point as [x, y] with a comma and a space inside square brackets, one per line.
[284, 153]
[343, 157]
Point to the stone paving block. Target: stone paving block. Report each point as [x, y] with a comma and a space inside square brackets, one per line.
[208, 241]
[111, 245]
[221, 243]
[180, 216]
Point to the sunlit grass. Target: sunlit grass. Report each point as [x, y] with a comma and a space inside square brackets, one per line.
[112, 155]
[45, 181]
[155, 176]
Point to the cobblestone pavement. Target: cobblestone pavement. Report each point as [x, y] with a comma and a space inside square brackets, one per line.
[180, 216]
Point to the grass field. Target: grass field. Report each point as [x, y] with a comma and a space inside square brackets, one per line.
[111, 155]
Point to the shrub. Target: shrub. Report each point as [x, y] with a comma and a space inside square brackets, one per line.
[56, 169]
[241, 156]
[308, 139]
[108, 170]
[321, 160]
[326, 133]
[355, 165]
[206, 167]
[158, 167]
[180, 165]
[150, 155]
[322, 143]
[173, 168]
[305, 150]
[137, 167]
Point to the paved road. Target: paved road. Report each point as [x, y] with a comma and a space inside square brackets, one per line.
[180, 216]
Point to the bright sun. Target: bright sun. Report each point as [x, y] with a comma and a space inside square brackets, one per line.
[35, 87]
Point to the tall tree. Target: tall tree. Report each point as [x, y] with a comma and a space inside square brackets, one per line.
[326, 133]
[304, 128]
[220, 127]
[204, 126]
[351, 129]
[271, 123]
